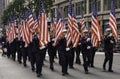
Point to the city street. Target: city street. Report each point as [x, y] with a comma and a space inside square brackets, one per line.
[13, 70]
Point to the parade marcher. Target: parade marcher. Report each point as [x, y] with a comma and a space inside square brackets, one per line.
[3, 45]
[21, 45]
[34, 45]
[63, 54]
[51, 50]
[24, 54]
[92, 51]
[13, 49]
[71, 56]
[40, 53]
[92, 56]
[85, 48]
[78, 50]
[109, 43]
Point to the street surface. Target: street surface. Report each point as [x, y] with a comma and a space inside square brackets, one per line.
[13, 70]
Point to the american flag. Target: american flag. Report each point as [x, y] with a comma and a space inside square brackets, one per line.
[76, 33]
[31, 21]
[20, 28]
[26, 32]
[95, 27]
[11, 35]
[43, 27]
[14, 26]
[35, 22]
[8, 31]
[73, 34]
[82, 22]
[59, 28]
[112, 20]
[69, 32]
[53, 26]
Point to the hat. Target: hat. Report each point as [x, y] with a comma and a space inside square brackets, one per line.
[64, 30]
[108, 29]
[85, 31]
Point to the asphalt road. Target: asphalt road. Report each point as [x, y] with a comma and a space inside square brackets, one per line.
[13, 70]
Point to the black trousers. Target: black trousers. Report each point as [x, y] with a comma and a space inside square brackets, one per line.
[108, 57]
[8, 51]
[13, 51]
[55, 52]
[64, 57]
[32, 59]
[19, 56]
[92, 56]
[71, 57]
[24, 54]
[39, 60]
[51, 54]
[86, 60]
[78, 61]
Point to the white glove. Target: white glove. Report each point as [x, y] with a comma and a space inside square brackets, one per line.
[88, 47]
[67, 49]
[79, 44]
[42, 47]
[111, 41]
[88, 39]
[110, 35]
[53, 39]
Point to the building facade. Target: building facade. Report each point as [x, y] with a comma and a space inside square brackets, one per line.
[3, 5]
[103, 8]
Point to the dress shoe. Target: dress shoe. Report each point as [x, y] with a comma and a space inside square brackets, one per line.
[110, 71]
[38, 75]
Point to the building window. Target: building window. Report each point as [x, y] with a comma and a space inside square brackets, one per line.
[91, 3]
[66, 11]
[118, 25]
[53, 0]
[79, 7]
[107, 5]
[53, 13]
[98, 5]
[117, 4]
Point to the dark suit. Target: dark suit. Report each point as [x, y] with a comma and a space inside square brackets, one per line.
[13, 49]
[63, 54]
[21, 45]
[71, 56]
[51, 53]
[78, 50]
[86, 52]
[108, 48]
[39, 55]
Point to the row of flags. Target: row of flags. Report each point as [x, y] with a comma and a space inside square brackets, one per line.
[31, 24]
[28, 26]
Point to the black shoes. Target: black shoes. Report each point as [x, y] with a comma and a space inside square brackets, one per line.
[52, 68]
[110, 71]
[104, 68]
[86, 72]
[92, 66]
[78, 62]
[33, 69]
[25, 65]
[63, 74]
[39, 75]
[19, 62]
[71, 67]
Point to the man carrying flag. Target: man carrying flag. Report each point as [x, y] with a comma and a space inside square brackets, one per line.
[43, 37]
[110, 38]
[95, 34]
